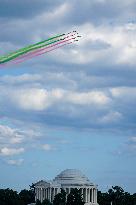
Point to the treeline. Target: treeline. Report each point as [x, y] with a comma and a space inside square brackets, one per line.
[10, 197]
[114, 196]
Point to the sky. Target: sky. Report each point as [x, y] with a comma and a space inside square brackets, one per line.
[75, 106]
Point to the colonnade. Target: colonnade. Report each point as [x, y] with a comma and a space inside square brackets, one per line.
[89, 194]
[46, 193]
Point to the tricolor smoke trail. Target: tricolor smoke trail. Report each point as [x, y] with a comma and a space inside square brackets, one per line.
[39, 48]
[45, 49]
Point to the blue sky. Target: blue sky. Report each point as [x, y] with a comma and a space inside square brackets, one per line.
[73, 107]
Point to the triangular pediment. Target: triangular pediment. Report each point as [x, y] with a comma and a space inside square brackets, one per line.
[42, 183]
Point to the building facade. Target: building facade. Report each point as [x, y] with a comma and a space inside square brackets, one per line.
[67, 180]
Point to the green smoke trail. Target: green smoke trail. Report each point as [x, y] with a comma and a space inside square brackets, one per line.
[37, 47]
[6, 58]
[15, 55]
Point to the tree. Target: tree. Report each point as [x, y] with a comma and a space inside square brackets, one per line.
[46, 202]
[38, 202]
[60, 198]
[127, 199]
[27, 196]
[134, 199]
[32, 188]
[75, 198]
[103, 198]
[116, 195]
[9, 197]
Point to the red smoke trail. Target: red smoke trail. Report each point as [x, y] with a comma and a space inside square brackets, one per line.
[43, 48]
[41, 51]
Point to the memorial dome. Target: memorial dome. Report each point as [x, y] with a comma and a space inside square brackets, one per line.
[72, 177]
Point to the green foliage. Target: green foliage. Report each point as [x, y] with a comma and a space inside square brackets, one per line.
[9, 197]
[103, 198]
[38, 202]
[75, 198]
[60, 198]
[27, 196]
[46, 202]
[117, 196]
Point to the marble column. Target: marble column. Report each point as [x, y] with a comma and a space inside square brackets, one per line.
[92, 195]
[82, 192]
[39, 193]
[96, 196]
[85, 194]
[42, 194]
[68, 190]
[50, 194]
[88, 198]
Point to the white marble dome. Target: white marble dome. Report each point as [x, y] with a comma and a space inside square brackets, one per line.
[72, 177]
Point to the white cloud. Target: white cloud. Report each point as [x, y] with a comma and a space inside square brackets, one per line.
[5, 130]
[124, 93]
[88, 98]
[10, 135]
[120, 38]
[132, 139]
[40, 99]
[24, 78]
[6, 151]
[15, 162]
[111, 117]
[32, 99]
[59, 12]
[47, 147]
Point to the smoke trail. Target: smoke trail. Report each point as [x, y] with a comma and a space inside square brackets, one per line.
[41, 53]
[39, 48]
[43, 49]
[31, 46]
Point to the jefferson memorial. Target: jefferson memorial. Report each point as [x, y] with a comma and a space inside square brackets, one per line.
[67, 180]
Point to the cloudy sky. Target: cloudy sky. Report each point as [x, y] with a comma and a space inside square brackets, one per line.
[73, 107]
